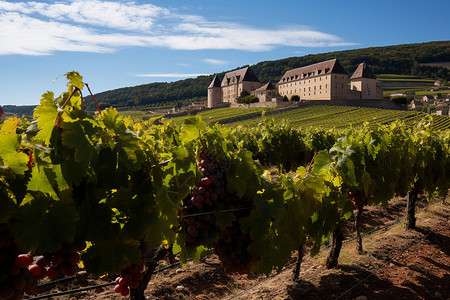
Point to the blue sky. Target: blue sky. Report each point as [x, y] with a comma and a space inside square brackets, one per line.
[115, 44]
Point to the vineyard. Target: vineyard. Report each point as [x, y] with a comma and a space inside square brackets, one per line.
[113, 197]
[318, 116]
[328, 117]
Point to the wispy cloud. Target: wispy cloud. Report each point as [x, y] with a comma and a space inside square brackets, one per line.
[170, 75]
[215, 61]
[41, 28]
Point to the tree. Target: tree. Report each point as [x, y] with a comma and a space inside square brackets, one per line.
[400, 100]
[285, 99]
[248, 99]
[295, 98]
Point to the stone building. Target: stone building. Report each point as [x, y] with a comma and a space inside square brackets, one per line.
[326, 80]
[365, 83]
[231, 87]
[266, 93]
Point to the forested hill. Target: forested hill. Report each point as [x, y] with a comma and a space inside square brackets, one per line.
[404, 59]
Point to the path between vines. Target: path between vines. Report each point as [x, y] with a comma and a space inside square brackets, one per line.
[397, 264]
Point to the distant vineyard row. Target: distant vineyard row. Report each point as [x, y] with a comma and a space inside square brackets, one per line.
[324, 116]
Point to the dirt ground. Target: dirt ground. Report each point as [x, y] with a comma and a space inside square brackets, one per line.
[397, 264]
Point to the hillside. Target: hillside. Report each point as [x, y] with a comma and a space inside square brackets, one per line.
[318, 116]
[407, 59]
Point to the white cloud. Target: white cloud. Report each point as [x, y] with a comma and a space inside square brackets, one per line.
[40, 28]
[129, 15]
[215, 61]
[171, 75]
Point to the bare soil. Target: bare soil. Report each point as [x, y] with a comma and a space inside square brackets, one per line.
[397, 264]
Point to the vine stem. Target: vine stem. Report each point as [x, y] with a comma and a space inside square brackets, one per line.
[150, 266]
[93, 98]
[336, 245]
[359, 212]
[411, 207]
[301, 253]
[58, 117]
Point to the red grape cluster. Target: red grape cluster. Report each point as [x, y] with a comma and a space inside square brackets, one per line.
[64, 261]
[357, 198]
[130, 278]
[232, 250]
[198, 222]
[15, 278]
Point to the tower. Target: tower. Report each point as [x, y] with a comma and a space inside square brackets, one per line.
[214, 92]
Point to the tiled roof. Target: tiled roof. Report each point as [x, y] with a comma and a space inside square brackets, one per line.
[215, 82]
[245, 74]
[267, 86]
[325, 67]
[363, 71]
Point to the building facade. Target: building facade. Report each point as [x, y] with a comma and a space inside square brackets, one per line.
[326, 80]
[266, 93]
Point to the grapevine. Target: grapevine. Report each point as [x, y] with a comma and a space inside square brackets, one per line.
[105, 182]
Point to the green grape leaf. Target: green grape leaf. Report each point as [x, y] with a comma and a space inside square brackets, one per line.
[321, 161]
[273, 253]
[191, 129]
[75, 79]
[224, 219]
[43, 224]
[366, 181]
[111, 255]
[47, 180]
[9, 154]
[7, 205]
[200, 252]
[39, 181]
[76, 136]
[46, 114]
